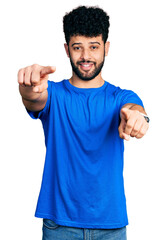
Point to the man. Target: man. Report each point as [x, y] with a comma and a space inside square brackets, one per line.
[85, 121]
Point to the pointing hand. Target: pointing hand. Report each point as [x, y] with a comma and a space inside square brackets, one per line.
[132, 124]
[35, 76]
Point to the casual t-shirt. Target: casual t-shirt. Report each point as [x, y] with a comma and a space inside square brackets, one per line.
[82, 183]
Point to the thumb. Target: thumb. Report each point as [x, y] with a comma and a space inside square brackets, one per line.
[47, 70]
[121, 130]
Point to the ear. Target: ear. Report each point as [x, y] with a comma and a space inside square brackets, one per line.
[107, 46]
[66, 48]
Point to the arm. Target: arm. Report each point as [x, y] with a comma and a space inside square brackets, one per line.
[33, 83]
[133, 124]
[133, 106]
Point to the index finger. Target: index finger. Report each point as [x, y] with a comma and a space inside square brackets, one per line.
[125, 113]
[47, 70]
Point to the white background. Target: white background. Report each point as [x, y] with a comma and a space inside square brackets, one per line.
[31, 32]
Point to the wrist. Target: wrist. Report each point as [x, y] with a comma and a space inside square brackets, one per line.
[28, 94]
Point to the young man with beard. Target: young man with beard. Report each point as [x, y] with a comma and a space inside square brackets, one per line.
[85, 121]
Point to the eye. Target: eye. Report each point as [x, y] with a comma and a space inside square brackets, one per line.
[94, 47]
[77, 48]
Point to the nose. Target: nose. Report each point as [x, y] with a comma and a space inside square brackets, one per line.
[85, 55]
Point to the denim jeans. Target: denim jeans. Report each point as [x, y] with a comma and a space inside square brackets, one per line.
[53, 231]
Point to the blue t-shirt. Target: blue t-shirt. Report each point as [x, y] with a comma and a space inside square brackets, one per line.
[82, 183]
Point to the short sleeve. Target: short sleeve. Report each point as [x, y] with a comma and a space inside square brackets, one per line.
[44, 112]
[128, 96]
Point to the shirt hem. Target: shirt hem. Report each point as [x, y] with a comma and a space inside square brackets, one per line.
[81, 225]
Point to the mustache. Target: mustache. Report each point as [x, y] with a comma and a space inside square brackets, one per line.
[84, 61]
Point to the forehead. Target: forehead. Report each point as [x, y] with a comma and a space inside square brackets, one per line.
[85, 40]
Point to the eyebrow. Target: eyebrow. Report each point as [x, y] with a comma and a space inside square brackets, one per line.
[79, 43]
[76, 44]
[95, 43]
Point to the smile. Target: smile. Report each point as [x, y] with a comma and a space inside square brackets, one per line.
[86, 66]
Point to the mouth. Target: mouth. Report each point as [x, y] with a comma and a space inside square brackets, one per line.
[85, 66]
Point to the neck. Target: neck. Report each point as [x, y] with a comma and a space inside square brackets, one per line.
[94, 83]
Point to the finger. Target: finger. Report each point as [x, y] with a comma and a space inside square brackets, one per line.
[137, 127]
[27, 76]
[121, 130]
[122, 126]
[40, 88]
[35, 77]
[47, 70]
[125, 113]
[21, 76]
[142, 131]
[129, 126]
[125, 136]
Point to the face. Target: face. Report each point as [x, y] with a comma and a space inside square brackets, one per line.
[87, 56]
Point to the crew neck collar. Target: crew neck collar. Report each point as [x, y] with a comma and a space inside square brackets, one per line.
[84, 90]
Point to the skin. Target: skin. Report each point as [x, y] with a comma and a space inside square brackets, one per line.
[86, 54]
[89, 51]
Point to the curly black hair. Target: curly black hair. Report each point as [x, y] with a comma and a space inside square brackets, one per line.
[86, 21]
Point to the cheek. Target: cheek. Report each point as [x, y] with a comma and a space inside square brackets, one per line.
[99, 55]
[100, 58]
[75, 57]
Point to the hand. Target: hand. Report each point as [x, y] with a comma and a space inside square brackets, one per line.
[35, 76]
[132, 124]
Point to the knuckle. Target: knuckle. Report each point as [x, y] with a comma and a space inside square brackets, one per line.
[28, 83]
[135, 130]
[20, 71]
[132, 134]
[35, 66]
[129, 126]
[35, 81]
[27, 69]
[19, 75]
[136, 111]
[142, 132]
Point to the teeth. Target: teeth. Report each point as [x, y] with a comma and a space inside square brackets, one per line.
[86, 65]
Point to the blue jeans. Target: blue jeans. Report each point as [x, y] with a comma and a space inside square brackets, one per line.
[53, 231]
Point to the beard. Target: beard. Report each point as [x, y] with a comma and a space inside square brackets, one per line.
[87, 76]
